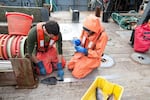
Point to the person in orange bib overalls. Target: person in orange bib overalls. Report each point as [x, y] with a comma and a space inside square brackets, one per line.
[42, 50]
[89, 48]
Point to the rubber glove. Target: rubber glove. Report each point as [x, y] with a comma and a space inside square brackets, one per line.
[60, 72]
[81, 49]
[41, 67]
[76, 42]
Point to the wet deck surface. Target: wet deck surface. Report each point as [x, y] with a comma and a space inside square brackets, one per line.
[134, 77]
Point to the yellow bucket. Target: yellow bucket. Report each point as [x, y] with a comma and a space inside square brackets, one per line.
[106, 87]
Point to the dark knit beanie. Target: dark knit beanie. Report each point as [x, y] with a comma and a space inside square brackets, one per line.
[52, 27]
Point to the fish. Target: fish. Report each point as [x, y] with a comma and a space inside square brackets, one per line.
[111, 97]
[49, 81]
[99, 94]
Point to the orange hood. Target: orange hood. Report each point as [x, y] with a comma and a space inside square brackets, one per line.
[93, 23]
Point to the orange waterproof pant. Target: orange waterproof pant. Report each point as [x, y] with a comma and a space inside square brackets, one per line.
[50, 59]
[81, 65]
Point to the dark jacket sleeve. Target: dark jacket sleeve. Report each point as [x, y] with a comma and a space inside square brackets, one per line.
[59, 44]
[31, 40]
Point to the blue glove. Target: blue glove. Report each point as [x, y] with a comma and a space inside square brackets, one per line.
[81, 49]
[60, 72]
[41, 67]
[76, 42]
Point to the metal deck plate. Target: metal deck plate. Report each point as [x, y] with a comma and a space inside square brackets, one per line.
[107, 61]
[140, 58]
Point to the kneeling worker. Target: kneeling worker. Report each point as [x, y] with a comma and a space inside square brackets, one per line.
[41, 48]
[89, 48]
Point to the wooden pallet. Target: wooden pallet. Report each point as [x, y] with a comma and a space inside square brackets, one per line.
[24, 74]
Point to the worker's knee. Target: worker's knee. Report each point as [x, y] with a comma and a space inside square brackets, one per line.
[81, 72]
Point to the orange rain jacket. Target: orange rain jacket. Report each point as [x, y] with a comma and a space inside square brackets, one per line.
[48, 57]
[81, 64]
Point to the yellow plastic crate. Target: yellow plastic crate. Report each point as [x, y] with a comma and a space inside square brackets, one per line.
[106, 87]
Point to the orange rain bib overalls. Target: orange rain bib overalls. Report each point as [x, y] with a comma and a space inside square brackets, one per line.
[80, 64]
[49, 54]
